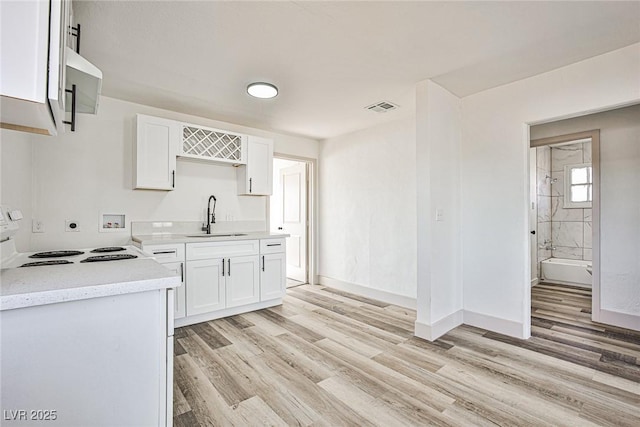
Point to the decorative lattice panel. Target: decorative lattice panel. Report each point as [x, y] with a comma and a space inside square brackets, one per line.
[211, 144]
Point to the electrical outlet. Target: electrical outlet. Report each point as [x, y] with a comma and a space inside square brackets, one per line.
[71, 225]
[37, 226]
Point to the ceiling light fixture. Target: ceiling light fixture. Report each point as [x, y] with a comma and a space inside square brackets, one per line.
[262, 90]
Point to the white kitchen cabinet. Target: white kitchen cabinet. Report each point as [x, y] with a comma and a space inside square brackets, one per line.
[204, 143]
[105, 361]
[242, 281]
[273, 268]
[33, 37]
[255, 178]
[273, 276]
[172, 256]
[155, 153]
[180, 295]
[205, 286]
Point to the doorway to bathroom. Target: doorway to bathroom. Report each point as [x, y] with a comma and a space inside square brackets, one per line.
[564, 193]
[290, 212]
[610, 238]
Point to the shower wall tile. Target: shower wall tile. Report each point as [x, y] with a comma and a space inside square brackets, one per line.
[588, 235]
[587, 215]
[543, 184]
[566, 252]
[543, 158]
[559, 214]
[587, 255]
[586, 152]
[565, 155]
[557, 183]
[567, 234]
[544, 209]
[544, 233]
[544, 254]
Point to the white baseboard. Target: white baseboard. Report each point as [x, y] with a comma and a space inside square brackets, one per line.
[623, 320]
[439, 328]
[384, 296]
[534, 282]
[494, 324]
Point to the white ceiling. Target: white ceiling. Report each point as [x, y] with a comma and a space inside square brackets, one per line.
[331, 59]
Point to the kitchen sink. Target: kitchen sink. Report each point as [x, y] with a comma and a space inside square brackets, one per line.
[218, 235]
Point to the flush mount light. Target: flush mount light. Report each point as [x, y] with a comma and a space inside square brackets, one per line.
[262, 90]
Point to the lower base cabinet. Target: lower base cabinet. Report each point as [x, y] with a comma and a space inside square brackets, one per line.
[242, 281]
[220, 278]
[206, 284]
[180, 294]
[273, 276]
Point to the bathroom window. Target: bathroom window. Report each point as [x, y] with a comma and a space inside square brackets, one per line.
[578, 186]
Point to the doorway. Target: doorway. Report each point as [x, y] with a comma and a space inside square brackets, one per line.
[290, 213]
[564, 203]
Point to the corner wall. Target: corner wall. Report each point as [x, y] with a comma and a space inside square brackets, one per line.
[439, 305]
[495, 177]
[367, 212]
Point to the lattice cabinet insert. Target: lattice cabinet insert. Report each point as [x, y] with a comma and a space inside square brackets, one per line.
[213, 144]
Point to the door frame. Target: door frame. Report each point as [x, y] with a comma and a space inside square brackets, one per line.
[594, 135]
[312, 226]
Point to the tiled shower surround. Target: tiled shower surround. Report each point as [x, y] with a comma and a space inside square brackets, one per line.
[566, 230]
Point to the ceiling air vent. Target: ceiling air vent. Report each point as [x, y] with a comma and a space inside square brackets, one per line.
[382, 107]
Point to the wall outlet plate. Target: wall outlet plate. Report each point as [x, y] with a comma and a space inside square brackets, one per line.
[37, 226]
[71, 225]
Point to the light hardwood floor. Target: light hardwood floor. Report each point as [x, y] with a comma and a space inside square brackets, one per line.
[328, 358]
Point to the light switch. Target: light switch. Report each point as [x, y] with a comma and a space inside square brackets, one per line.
[439, 214]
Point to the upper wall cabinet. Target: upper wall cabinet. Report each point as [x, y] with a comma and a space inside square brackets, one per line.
[255, 178]
[199, 142]
[155, 153]
[32, 88]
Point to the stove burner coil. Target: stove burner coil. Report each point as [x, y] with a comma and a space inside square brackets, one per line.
[55, 254]
[49, 262]
[108, 249]
[112, 257]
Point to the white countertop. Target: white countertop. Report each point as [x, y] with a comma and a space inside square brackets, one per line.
[160, 238]
[26, 287]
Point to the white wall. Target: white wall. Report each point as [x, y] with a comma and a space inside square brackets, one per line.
[495, 176]
[78, 175]
[367, 209]
[15, 188]
[619, 205]
[439, 305]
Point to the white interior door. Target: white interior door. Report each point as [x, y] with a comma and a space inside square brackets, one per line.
[292, 218]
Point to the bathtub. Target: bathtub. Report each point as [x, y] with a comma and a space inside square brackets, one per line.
[566, 271]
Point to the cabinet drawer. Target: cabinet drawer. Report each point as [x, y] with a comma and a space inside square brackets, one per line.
[272, 246]
[172, 252]
[222, 249]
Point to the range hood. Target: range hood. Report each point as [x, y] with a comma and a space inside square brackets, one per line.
[88, 80]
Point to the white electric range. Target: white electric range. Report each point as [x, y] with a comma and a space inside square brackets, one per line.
[11, 258]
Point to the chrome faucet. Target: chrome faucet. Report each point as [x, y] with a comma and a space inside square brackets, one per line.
[211, 214]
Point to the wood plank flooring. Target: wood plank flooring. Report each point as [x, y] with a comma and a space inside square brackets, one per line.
[329, 358]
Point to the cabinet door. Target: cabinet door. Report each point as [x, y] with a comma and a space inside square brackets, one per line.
[205, 286]
[155, 162]
[242, 281]
[256, 177]
[180, 292]
[272, 276]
